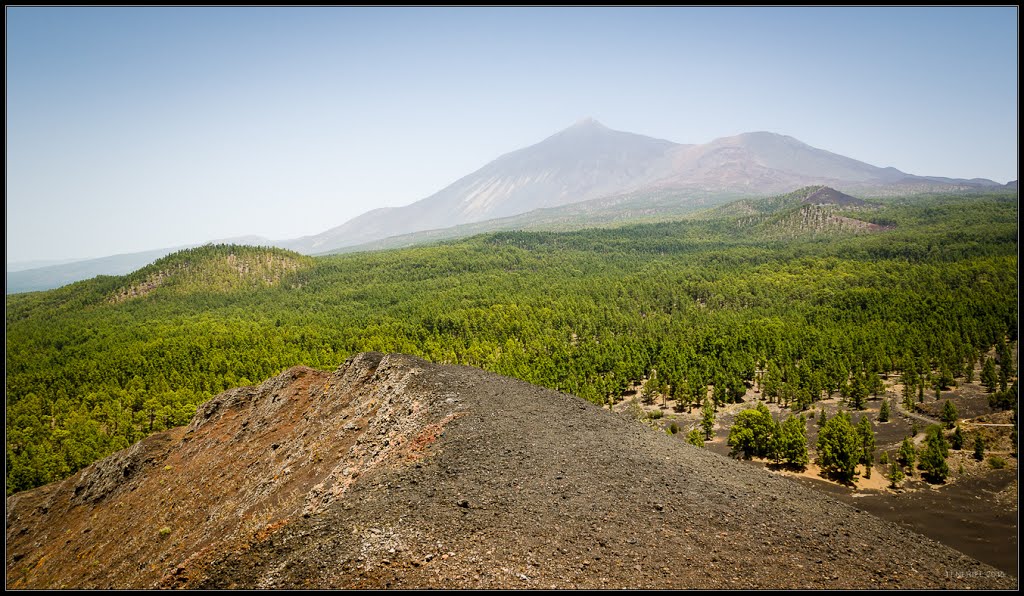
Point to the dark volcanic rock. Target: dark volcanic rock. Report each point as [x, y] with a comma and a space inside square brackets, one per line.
[394, 472]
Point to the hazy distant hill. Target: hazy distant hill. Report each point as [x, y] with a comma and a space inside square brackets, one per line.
[635, 207]
[583, 162]
[589, 161]
[55, 276]
[585, 175]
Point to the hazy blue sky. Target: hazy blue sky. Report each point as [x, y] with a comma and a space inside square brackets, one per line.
[139, 128]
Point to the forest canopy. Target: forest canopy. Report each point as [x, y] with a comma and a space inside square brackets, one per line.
[97, 365]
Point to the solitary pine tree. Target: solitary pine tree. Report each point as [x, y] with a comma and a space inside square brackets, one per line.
[839, 447]
[933, 458]
[949, 414]
[696, 437]
[979, 447]
[753, 433]
[707, 421]
[883, 411]
[896, 475]
[907, 455]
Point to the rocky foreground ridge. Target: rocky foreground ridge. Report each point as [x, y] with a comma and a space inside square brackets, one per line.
[393, 472]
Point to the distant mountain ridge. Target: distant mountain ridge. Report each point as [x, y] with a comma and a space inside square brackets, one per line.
[585, 161]
[589, 161]
[587, 174]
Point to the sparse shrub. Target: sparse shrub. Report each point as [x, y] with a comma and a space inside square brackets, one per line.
[655, 414]
[165, 531]
[673, 428]
[635, 411]
[997, 462]
[696, 437]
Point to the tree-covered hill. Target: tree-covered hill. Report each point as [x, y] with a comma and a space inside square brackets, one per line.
[95, 366]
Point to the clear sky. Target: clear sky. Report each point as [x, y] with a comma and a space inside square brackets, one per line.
[139, 128]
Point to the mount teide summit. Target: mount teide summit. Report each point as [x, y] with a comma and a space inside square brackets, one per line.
[586, 175]
[584, 161]
[589, 161]
[394, 472]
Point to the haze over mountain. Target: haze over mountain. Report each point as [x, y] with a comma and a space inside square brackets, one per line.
[582, 162]
[588, 161]
[586, 174]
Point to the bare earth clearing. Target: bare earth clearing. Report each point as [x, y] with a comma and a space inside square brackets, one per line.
[975, 511]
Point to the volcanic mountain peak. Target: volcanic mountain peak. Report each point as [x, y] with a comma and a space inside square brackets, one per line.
[586, 123]
[394, 472]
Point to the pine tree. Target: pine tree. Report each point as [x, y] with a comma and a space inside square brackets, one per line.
[708, 419]
[933, 458]
[839, 448]
[988, 375]
[753, 433]
[650, 389]
[979, 447]
[907, 455]
[957, 440]
[857, 392]
[792, 441]
[949, 414]
[866, 436]
[896, 475]
[696, 437]
[883, 411]
[681, 393]
[908, 397]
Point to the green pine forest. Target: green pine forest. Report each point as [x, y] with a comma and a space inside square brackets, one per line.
[771, 285]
